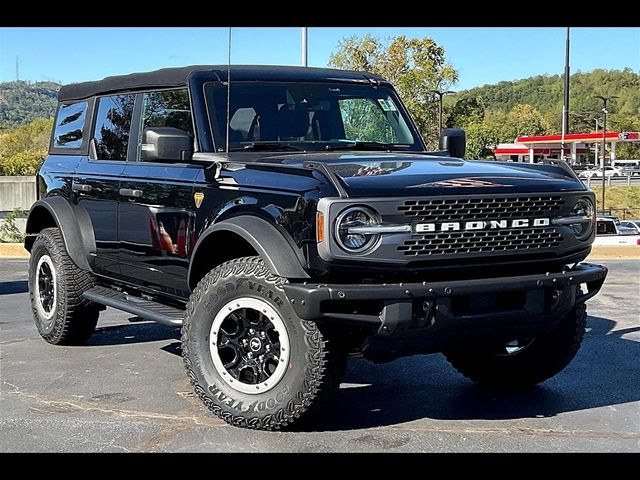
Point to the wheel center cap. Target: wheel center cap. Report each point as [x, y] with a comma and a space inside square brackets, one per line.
[255, 344]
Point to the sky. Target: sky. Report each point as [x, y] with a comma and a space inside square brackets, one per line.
[481, 55]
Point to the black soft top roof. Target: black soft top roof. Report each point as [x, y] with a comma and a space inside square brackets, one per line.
[178, 76]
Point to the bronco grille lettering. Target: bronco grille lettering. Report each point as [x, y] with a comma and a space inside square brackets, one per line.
[481, 225]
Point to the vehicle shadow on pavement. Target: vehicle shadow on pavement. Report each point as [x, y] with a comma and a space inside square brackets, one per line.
[18, 286]
[605, 372]
[136, 331]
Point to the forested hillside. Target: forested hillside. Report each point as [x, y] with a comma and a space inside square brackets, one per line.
[22, 102]
[544, 93]
[533, 106]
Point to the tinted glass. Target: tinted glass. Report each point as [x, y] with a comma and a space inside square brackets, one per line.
[69, 124]
[365, 121]
[113, 124]
[169, 108]
[309, 114]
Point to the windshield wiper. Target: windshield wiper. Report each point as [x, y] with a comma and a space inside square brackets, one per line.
[266, 146]
[356, 145]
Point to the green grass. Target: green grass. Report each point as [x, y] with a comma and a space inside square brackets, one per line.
[619, 197]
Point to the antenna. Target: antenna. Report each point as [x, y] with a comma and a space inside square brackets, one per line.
[228, 91]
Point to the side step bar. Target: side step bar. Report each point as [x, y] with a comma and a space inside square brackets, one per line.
[148, 309]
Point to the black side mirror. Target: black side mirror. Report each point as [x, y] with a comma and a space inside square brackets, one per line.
[166, 144]
[454, 141]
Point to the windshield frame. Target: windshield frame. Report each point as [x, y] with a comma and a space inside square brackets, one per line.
[218, 135]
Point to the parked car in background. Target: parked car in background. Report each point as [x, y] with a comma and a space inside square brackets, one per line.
[581, 167]
[628, 167]
[631, 224]
[608, 233]
[597, 172]
[610, 225]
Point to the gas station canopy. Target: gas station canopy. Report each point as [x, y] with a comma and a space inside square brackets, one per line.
[530, 148]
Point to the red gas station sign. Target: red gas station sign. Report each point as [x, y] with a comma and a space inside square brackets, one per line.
[629, 136]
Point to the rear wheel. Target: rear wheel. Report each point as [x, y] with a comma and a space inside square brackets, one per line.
[250, 358]
[62, 315]
[525, 361]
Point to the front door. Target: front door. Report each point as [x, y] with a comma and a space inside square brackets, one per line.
[97, 179]
[157, 206]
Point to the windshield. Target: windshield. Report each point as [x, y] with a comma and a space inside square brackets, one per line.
[308, 116]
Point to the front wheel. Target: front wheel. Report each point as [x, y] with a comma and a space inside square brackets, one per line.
[524, 362]
[250, 359]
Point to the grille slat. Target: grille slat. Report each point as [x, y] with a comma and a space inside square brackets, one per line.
[482, 208]
[447, 243]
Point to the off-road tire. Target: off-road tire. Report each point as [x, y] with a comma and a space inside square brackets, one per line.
[316, 360]
[543, 358]
[74, 318]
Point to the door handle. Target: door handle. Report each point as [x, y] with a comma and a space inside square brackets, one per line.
[81, 187]
[129, 192]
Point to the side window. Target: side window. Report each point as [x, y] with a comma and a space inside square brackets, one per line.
[113, 124]
[168, 108]
[69, 125]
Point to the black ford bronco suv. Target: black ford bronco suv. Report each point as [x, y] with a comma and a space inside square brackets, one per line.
[292, 217]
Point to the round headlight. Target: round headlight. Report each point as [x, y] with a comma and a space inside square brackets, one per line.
[583, 208]
[348, 224]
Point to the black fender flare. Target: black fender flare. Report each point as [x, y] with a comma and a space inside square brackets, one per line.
[272, 246]
[74, 224]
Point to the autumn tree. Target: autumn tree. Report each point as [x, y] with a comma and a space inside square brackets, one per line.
[23, 148]
[414, 66]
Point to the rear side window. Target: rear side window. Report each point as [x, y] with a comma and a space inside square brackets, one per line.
[113, 126]
[69, 125]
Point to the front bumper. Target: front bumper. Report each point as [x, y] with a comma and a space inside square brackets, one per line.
[512, 305]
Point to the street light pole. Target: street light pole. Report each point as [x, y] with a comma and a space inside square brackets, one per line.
[305, 34]
[440, 95]
[565, 102]
[604, 140]
[597, 152]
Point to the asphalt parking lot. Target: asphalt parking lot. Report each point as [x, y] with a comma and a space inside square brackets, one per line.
[127, 391]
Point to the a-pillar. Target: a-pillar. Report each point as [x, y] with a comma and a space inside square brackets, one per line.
[574, 153]
[531, 155]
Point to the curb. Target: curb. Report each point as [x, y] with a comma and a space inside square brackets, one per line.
[13, 250]
[615, 252]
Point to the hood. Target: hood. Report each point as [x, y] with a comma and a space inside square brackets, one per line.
[392, 174]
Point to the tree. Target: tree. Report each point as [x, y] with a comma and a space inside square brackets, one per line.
[620, 122]
[524, 119]
[479, 141]
[485, 131]
[23, 148]
[413, 66]
[460, 113]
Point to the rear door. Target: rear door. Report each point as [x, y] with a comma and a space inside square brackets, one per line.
[157, 207]
[97, 178]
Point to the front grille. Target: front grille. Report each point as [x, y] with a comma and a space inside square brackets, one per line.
[447, 243]
[482, 208]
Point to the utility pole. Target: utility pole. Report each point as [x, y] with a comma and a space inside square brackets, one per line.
[565, 104]
[17, 69]
[604, 140]
[304, 45]
[440, 94]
